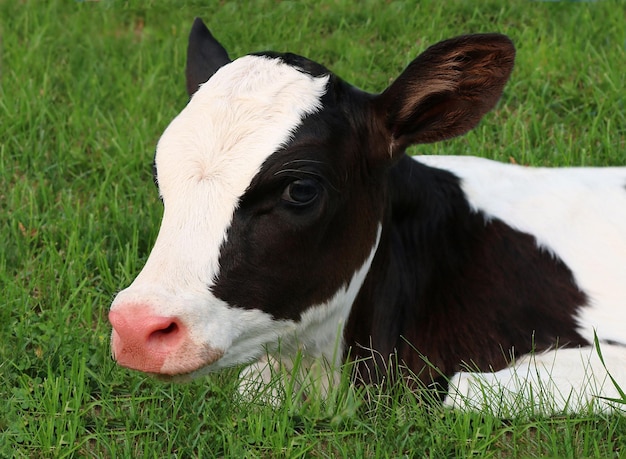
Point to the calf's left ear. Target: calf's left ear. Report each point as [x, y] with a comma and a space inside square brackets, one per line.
[205, 55]
[446, 90]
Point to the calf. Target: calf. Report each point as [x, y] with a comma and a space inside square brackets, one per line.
[294, 221]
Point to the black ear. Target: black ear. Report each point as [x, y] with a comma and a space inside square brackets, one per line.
[446, 90]
[205, 56]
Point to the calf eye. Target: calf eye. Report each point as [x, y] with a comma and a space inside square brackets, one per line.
[301, 192]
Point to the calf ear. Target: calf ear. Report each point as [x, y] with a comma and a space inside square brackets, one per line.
[205, 56]
[446, 90]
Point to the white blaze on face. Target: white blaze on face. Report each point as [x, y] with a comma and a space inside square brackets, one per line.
[205, 161]
[209, 154]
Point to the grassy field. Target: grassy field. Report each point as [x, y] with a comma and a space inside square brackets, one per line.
[87, 88]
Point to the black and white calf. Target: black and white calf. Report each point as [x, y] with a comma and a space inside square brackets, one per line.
[292, 216]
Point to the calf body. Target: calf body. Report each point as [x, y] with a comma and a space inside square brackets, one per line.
[294, 221]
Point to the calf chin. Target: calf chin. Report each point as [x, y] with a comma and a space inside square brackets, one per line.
[272, 380]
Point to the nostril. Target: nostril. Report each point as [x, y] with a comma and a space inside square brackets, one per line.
[171, 328]
[167, 334]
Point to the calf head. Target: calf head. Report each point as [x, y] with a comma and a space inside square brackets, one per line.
[273, 180]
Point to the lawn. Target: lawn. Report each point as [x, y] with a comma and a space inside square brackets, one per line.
[86, 88]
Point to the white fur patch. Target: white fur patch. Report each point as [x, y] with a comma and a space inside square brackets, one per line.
[553, 382]
[579, 214]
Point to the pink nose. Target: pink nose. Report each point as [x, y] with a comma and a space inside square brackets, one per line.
[143, 341]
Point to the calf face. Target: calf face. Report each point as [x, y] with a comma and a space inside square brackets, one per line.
[274, 183]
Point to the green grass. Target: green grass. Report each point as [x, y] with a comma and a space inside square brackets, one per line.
[87, 88]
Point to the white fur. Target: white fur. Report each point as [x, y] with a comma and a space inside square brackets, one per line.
[578, 214]
[554, 382]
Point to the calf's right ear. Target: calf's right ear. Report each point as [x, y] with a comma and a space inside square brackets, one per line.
[205, 55]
